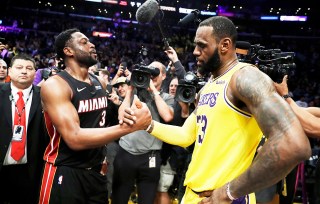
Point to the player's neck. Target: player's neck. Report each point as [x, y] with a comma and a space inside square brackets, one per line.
[229, 64]
[80, 74]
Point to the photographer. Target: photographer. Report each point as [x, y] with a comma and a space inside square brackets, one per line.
[174, 68]
[174, 158]
[138, 159]
[122, 71]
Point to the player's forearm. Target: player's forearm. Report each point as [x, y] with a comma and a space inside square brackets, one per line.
[182, 136]
[315, 111]
[308, 118]
[286, 147]
[279, 155]
[87, 138]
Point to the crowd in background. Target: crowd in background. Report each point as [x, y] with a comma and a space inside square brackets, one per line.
[142, 43]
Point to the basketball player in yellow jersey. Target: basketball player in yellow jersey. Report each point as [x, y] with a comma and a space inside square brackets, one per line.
[237, 104]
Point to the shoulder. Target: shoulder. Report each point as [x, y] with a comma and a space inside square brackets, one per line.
[249, 83]
[165, 96]
[5, 87]
[56, 86]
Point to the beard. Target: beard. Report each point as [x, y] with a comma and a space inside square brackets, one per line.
[212, 65]
[85, 59]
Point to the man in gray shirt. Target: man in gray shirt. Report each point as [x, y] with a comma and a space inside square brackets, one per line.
[138, 160]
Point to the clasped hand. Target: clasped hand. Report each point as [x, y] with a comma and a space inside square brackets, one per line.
[217, 196]
[137, 115]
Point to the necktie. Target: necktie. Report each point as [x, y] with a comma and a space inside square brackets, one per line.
[19, 130]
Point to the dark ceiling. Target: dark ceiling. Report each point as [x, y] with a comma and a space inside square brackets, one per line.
[246, 10]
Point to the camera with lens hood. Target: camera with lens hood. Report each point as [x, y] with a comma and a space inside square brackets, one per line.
[188, 87]
[141, 75]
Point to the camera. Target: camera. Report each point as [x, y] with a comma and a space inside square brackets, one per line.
[141, 75]
[47, 72]
[276, 64]
[188, 87]
[272, 62]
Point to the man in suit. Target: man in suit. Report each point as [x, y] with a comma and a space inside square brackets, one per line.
[20, 173]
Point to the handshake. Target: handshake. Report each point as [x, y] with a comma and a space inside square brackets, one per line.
[137, 115]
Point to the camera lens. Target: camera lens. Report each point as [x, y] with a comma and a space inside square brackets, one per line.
[187, 93]
[141, 78]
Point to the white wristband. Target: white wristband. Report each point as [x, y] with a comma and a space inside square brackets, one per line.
[228, 192]
[149, 127]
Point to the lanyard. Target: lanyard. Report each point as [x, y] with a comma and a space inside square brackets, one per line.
[24, 106]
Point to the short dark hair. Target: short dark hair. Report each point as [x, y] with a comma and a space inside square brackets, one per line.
[23, 56]
[61, 41]
[222, 27]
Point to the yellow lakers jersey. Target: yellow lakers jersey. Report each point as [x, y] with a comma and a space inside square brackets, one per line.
[227, 137]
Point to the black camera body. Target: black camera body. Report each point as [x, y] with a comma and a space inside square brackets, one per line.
[276, 64]
[141, 75]
[189, 87]
[272, 62]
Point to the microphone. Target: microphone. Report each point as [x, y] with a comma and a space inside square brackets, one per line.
[243, 45]
[147, 11]
[193, 15]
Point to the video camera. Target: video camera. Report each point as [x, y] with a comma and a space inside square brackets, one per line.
[188, 87]
[141, 75]
[272, 62]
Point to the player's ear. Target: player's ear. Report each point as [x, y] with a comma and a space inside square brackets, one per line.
[225, 44]
[68, 51]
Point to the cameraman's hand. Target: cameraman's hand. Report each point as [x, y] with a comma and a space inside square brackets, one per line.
[127, 74]
[172, 54]
[120, 71]
[152, 88]
[114, 98]
[282, 88]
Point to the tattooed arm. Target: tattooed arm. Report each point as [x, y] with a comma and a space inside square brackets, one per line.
[287, 144]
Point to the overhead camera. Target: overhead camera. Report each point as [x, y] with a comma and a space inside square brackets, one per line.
[188, 87]
[272, 62]
[141, 75]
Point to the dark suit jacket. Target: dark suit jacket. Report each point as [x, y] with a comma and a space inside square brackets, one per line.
[37, 137]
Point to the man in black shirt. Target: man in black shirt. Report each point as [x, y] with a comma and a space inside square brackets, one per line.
[74, 104]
